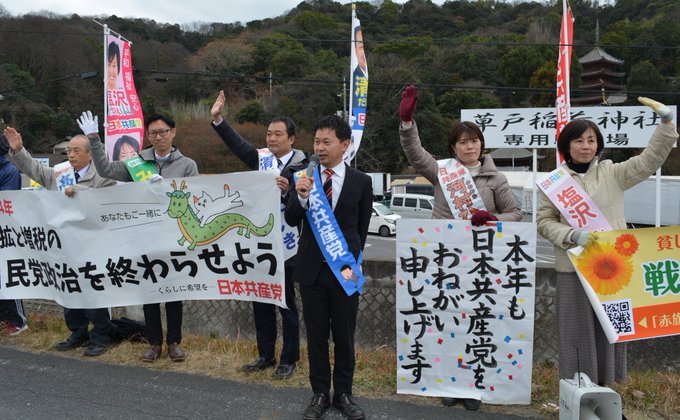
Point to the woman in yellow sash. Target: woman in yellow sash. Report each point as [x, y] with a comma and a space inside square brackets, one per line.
[581, 142]
[466, 144]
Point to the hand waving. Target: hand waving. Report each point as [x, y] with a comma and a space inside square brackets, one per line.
[662, 110]
[408, 103]
[88, 124]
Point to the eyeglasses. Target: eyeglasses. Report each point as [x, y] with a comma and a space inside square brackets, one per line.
[75, 150]
[164, 132]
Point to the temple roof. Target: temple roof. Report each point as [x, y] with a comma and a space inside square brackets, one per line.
[598, 54]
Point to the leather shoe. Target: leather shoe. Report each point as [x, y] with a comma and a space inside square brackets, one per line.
[259, 364]
[151, 354]
[175, 353]
[71, 343]
[284, 370]
[472, 404]
[449, 402]
[349, 408]
[317, 407]
[95, 349]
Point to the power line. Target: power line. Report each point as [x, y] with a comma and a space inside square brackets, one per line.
[407, 41]
[297, 81]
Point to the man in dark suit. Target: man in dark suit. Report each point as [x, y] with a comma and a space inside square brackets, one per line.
[327, 307]
[286, 160]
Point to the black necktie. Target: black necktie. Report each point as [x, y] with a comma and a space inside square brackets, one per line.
[77, 177]
[328, 186]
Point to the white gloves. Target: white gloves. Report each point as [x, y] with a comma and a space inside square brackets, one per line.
[155, 178]
[583, 238]
[661, 109]
[88, 124]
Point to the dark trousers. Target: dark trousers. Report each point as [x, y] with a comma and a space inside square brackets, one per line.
[154, 327]
[265, 325]
[77, 320]
[327, 308]
[12, 311]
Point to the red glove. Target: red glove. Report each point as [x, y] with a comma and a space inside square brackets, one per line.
[481, 217]
[408, 103]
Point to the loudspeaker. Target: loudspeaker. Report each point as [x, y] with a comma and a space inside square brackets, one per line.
[581, 399]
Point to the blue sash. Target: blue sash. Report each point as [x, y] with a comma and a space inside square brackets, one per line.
[331, 241]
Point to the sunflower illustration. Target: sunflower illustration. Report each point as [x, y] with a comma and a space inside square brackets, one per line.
[606, 270]
[626, 244]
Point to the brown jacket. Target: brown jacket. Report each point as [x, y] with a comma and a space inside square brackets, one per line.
[491, 184]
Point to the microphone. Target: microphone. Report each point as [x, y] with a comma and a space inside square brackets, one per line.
[313, 163]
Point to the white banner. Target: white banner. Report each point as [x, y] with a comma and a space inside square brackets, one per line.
[465, 309]
[143, 243]
[534, 128]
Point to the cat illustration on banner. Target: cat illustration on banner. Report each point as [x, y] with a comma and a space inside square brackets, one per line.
[208, 208]
[197, 235]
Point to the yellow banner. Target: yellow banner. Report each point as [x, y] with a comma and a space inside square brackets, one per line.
[632, 278]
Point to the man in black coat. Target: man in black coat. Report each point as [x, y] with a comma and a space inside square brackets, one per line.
[280, 140]
[327, 307]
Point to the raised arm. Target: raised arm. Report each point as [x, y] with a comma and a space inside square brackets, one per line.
[113, 170]
[243, 150]
[644, 165]
[20, 157]
[420, 159]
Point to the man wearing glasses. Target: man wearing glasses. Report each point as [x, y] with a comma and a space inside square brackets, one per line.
[170, 163]
[97, 340]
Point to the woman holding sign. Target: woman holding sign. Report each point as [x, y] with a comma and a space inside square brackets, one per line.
[604, 183]
[478, 192]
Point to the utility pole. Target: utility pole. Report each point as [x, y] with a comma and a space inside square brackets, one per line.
[344, 99]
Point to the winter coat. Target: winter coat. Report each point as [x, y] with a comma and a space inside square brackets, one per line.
[176, 166]
[492, 185]
[45, 175]
[605, 183]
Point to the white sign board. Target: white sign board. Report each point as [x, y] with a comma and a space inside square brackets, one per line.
[534, 128]
[465, 309]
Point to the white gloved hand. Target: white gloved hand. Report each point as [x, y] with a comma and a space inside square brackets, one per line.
[155, 178]
[662, 110]
[88, 124]
[583, 238]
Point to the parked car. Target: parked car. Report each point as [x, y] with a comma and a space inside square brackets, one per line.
[412, 206]
[383, 220]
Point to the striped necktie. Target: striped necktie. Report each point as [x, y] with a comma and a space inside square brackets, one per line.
[328, 186]
[77, 176]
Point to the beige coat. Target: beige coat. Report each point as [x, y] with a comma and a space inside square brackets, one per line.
[45, 175]
[491, 184]
[605, 183]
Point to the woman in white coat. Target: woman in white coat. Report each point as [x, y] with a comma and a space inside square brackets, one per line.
[581, 142]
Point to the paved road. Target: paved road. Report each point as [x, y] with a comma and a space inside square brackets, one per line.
[46, 386]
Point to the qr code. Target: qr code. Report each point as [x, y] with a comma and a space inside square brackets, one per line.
[620, 314]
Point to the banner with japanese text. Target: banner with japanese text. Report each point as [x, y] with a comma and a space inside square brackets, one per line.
[206, 237]
[534, 128]
[124, 134]
[632, 278]
[358, 88]
[563, 102]
[572, 201]
[465, 309]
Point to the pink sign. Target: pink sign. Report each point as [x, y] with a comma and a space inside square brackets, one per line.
[124, 117]
[459, 189]
[575, 204]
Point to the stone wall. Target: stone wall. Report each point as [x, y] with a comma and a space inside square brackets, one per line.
[377, 318]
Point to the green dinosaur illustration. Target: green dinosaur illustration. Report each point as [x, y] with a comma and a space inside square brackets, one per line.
[191, 228]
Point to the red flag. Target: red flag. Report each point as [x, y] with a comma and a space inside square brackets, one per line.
[563, 102]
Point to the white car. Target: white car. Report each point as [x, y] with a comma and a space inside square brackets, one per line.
[383, 220]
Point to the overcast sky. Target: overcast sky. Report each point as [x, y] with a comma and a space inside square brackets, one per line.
[166, 11]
